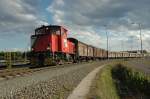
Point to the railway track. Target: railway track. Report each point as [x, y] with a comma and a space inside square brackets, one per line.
[14, 65]
[6, 74]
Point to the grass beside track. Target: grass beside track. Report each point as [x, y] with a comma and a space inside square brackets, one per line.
[103, 86]
[133, 84]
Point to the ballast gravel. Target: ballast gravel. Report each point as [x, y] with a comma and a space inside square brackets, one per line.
[55, 83]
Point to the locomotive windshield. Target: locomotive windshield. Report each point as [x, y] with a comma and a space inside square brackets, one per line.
[40, 31]
[33, 39]
[48, 29]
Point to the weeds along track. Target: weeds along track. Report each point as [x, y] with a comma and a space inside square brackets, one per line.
[7, 74]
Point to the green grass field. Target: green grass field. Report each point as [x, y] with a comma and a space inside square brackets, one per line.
[103, 86]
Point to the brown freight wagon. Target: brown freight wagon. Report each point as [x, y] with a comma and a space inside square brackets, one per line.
[81, 49]
[90, 52]
[98, 53]
[119, 55]
[127, 55]
[104, 53]
[132, 55]
[112, 55]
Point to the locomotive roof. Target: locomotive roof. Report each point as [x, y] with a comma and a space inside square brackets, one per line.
[43, 26]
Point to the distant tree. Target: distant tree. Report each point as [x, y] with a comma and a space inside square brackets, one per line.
[144, 51]
[2, 55]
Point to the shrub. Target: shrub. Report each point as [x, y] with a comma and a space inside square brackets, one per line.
[136, 81]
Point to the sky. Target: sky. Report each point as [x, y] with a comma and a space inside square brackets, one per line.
[86, 20]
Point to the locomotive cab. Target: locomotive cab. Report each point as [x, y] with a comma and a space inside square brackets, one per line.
[49, 45]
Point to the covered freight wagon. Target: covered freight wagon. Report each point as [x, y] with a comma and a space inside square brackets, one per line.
[90, 52]
[98, 53]
[82, 50]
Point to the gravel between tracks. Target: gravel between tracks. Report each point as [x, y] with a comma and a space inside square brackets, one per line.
[56, 83]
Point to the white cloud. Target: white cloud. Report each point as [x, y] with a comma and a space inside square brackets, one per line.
[18, 19]
[85, 18]
[19, 16]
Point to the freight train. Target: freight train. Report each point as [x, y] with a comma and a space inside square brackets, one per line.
[50, 45]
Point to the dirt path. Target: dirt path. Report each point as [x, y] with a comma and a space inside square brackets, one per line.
[83, 88]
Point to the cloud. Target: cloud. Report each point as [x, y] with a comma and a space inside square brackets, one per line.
[19, 16]
[18, 19]
[86, 19]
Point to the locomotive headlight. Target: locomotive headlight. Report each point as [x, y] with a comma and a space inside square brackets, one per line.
[32, 49]
[48, 47]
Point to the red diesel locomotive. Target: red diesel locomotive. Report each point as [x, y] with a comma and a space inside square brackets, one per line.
[50, 45]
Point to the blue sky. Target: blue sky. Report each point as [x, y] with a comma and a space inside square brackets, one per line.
[86, 20]
[20, 40]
